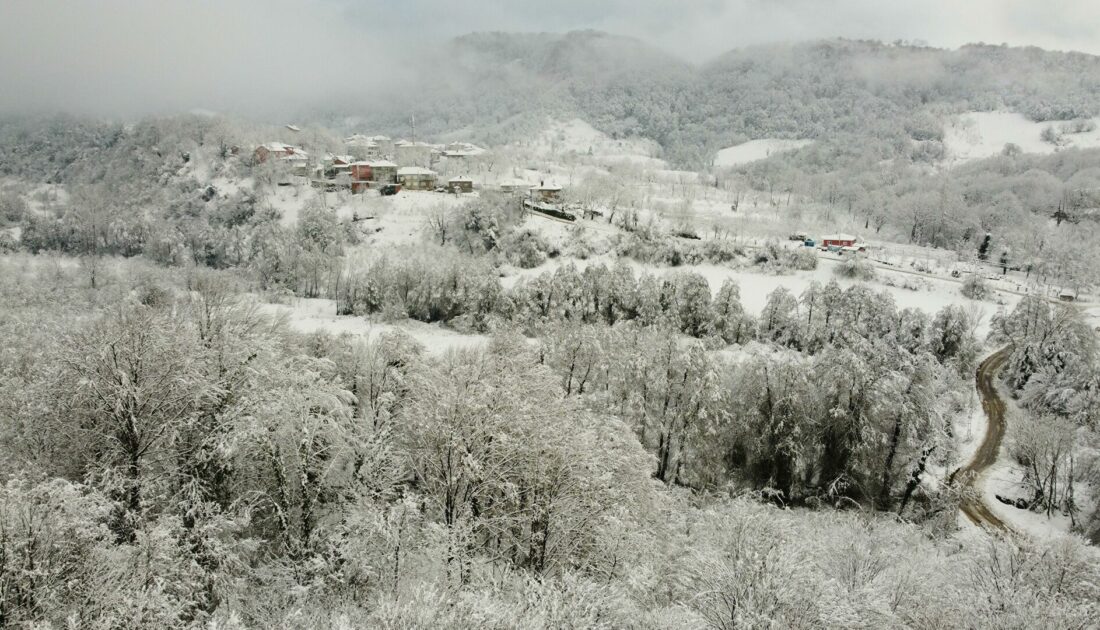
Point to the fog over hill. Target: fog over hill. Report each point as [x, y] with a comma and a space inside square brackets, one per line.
[498, 85]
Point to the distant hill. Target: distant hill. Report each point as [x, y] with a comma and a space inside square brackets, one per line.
[494, 86]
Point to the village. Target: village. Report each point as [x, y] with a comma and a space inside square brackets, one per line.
[379, 165]
[375, 163]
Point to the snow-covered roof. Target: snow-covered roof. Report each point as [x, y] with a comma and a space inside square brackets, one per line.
[359, 139]
[293, 127]
[279, 146]
[414, 170]
[375, 164]
[838, 237]
[462, 149]
[460, 178]
[548, 187]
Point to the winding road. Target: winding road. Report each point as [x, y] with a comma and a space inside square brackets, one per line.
[974, 506]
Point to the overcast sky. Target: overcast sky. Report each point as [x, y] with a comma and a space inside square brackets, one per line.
[129, 57]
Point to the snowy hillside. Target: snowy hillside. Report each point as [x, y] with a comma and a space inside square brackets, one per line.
[977, 135]
[577, 137]
[754, 150]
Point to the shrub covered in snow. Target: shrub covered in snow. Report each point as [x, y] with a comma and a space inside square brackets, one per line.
[779, 259]
[526, 248]
[856, 268]
[672, 252]
[976, 288]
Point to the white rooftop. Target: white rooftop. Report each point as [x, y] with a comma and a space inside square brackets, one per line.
[415, 170]
[279, 146]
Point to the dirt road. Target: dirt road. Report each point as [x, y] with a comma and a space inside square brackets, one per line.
[975, 507]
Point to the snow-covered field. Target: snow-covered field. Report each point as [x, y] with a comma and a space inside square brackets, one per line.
[977, 135]
[754, 150]
[576, 136]
[308, 315]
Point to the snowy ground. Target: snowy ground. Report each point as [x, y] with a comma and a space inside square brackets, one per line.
[754, 150]
[576, 136]
[1003, 478]
[977, 135]
[319, 315]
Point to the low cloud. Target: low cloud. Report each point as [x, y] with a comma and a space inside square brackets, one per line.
[132, 57]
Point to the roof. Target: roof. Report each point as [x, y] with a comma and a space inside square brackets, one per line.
[415, 170]
[279, 146]
[375, 163]
[462, 178]
[462, 149]
[547, 187]
[839, 237]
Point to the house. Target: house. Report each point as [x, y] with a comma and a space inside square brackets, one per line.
[837, 241]
[279, 151]
[372, 174]
[460, 185]
[462, 150]
[546, 193]
[416, 178]
[1067, 295]
[414, 153]
[369, 147]
[334, 165]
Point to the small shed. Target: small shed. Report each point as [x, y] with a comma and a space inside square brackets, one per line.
[1067, 295]
[837, 240]
[416, 178]
[460, 185]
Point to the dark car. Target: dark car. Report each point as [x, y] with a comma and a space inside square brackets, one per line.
[389, 190]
